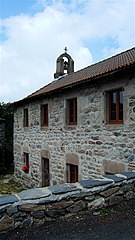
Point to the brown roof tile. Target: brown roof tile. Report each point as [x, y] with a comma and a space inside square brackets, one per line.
[112, 64]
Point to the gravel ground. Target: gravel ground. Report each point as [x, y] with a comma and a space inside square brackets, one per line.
[117, 223]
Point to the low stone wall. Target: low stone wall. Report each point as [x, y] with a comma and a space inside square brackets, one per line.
[35, 206]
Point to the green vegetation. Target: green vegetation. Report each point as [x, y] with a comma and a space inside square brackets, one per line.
[7, 113]
[9, 186]
[105, 211]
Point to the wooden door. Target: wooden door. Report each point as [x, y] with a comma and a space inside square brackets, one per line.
[45, 172]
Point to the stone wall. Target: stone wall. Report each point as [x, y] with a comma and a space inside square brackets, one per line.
[36, 206]
[2, 145]
[99, 147]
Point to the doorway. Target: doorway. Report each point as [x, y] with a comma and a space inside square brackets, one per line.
[45, 172]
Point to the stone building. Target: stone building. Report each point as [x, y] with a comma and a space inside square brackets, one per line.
[80, 126]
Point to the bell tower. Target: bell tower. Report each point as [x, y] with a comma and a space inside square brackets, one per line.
[64, 64]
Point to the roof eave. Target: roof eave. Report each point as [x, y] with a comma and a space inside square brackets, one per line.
[95, 78]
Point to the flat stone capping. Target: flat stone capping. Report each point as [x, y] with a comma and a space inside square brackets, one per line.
[63, 188]
[34, 193]
[129, 175]
[94, 183]
[115, 178]
[8, 199]
[38, 205]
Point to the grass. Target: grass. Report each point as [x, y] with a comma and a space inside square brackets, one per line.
[9, 186]
[105, 211]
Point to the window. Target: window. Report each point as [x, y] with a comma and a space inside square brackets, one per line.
[115, 100]
[25, 168]
[44, 115]
[71, 173]
[72, 111]
[26, 118]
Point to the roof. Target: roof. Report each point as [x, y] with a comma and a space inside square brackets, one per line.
[118, 62]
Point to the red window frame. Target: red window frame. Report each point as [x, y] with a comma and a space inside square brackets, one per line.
[26, 118]
[71, 173]
[72, 111]
[44, 115]
[115, 99]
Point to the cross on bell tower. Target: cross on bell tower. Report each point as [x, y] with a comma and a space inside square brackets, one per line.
[65, 49]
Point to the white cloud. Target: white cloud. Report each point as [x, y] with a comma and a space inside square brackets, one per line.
[33, 43]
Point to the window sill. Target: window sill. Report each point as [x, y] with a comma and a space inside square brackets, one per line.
[70, 127]
[27, 175]
[44, 128]
[26, 128]
[116, 123]
[113, 126]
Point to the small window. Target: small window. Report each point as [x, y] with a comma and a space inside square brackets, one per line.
[26, 118]
[44, 115]
[25, 168]
[72, 111]
[72, 173]
[115, 106]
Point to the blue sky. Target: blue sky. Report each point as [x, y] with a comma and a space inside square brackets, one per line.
[16, 7]
[35, 32]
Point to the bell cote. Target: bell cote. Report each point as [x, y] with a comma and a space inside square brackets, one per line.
[64, 64]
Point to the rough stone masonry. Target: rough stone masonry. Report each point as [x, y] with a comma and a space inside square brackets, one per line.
[93, 145]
